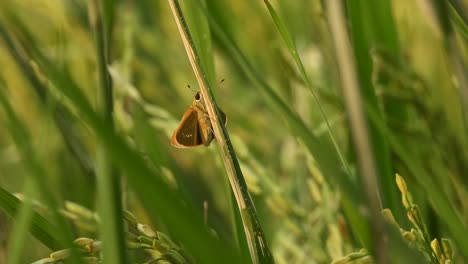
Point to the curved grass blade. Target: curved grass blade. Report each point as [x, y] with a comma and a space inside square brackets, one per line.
[297, 59]
[62, 117]
[22, 139]
[22, 225]
[459, 18]
[322, 150]
[183, 222]
[41, 229]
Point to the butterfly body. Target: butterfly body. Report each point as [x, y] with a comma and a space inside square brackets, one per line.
[195, 127]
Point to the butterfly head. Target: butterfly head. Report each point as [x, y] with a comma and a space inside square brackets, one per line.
[198, 96]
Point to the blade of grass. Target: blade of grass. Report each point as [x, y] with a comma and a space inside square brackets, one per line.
[453, 67]
[371, 26]
[62, 117]
[360, 133]
[108, 182]
[352, 217]
[41, 229]
[108, 16]
[461, 9]
[22, 225]
[322, 150]
[455, 56]
[201, 36]
[297, 59]
[440, 202]
[257, 243]
[459, 18]
[184, 222]
[22, 140]
[202, 40]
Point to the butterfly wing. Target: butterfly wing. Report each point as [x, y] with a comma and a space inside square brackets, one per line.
[187, 134]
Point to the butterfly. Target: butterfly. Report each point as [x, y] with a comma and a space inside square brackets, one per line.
[195, 127]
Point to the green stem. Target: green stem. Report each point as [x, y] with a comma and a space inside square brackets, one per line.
[359, 126]
[256, 241]
[109, 198]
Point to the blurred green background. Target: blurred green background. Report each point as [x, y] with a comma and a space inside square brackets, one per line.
[410, 64]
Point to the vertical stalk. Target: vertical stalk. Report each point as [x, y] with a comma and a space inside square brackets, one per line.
[359, 127]
[109, 199]
[256, 241]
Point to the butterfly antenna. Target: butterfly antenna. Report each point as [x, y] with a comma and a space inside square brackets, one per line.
[220, 82]
[191, 89]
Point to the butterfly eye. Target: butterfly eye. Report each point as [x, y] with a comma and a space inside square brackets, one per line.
[197, 96]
